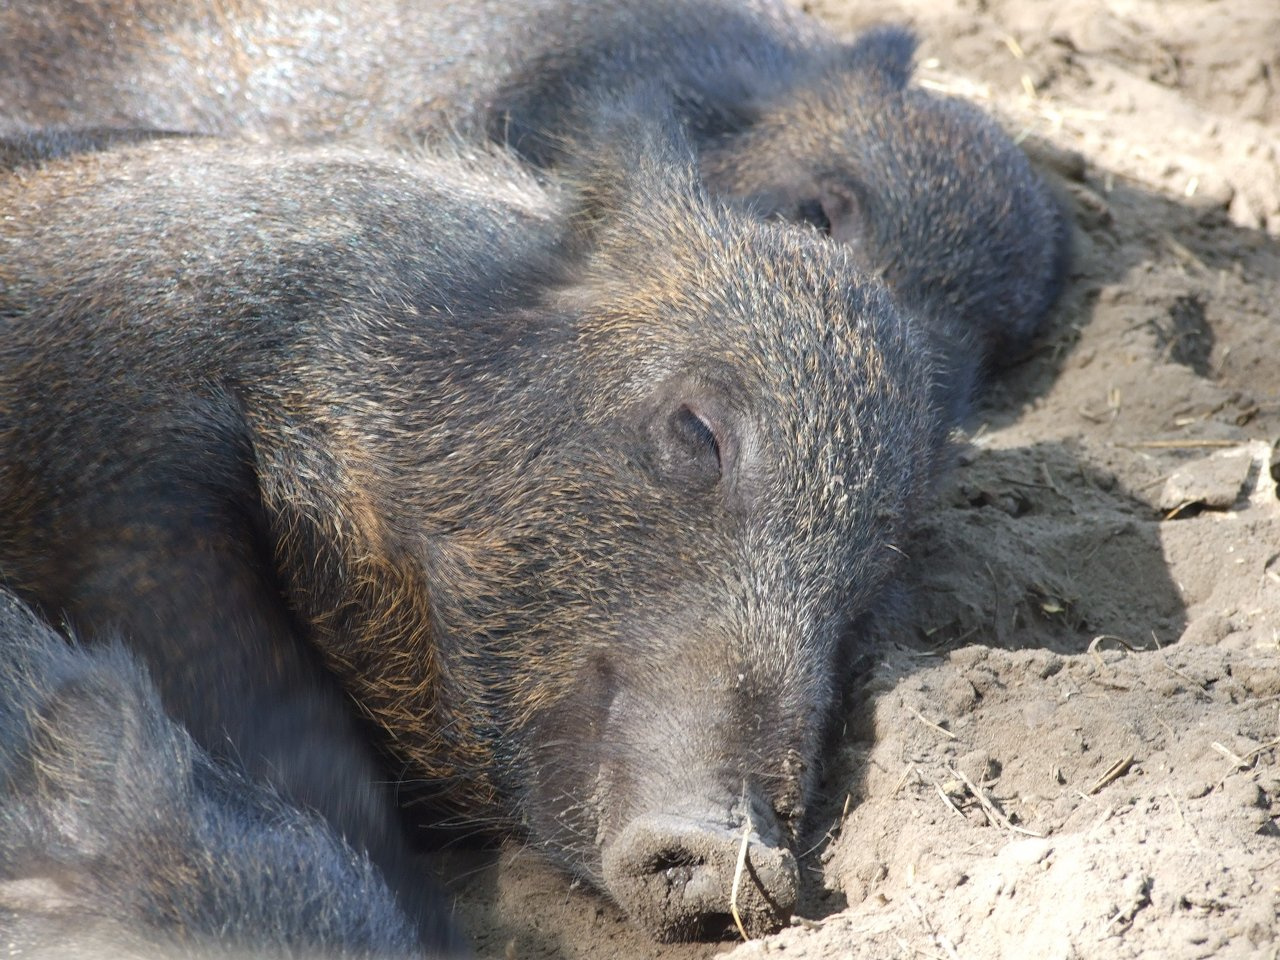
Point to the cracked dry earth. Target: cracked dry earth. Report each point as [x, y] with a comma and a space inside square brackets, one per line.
[1072, 749]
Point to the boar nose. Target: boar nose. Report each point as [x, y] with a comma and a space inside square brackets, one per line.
[675, 876]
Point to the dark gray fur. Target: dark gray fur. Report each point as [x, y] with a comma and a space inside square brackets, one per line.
[121, 839]
[576, 492]
[928, 190]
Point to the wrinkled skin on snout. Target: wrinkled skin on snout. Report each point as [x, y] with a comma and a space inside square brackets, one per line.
[576, 496]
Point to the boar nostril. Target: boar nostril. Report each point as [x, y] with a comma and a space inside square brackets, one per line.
[678, 866]
[673, 859]
[674, 876]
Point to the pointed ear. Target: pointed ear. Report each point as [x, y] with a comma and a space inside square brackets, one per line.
[886, 54]
[729, 95]
[633, 165]
[844, 211]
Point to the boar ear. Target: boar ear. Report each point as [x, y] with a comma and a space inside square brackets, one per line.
[635, 159]
[733, 94]
[884, 56]
[839, 211]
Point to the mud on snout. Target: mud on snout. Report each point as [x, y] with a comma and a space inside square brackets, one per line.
[683, 877]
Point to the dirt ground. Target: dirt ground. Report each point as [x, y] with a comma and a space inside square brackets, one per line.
[1072, 750]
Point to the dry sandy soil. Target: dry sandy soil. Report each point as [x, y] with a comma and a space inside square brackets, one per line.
[1072, 749]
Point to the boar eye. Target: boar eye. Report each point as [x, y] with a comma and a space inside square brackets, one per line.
[698, 438]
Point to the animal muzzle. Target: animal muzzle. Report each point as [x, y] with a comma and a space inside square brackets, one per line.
[685, 878]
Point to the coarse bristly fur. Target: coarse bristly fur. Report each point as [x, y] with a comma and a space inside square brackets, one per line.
[929, 191]
[574, 493]
[122, 840]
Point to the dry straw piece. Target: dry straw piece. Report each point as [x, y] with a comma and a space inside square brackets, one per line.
[737, 877]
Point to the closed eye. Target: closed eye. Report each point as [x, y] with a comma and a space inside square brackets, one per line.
[697, 436]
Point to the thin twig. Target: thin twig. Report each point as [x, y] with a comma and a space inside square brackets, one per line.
[1238, 761]
[1114, 773]
[947, 800]
[737, 877]
[929, 723]
[1179, 444]
[1246, 761]
[896, 787]
[993, 812]
[1199, 683]
[1100, 638]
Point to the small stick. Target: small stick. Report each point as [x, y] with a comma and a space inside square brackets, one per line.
[1097, 641]
[947, 800]
[898, 786]
[1182, 252]
[1030, 483]
[834, 828]
[1114, 773]
[1044, 470]
[1243, 763]
[994, 813]
[1179, 444]
[1237, 760]
[737, 877]
[995, 591]
[1199, 683]
[1258, 751]
[929, 723]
